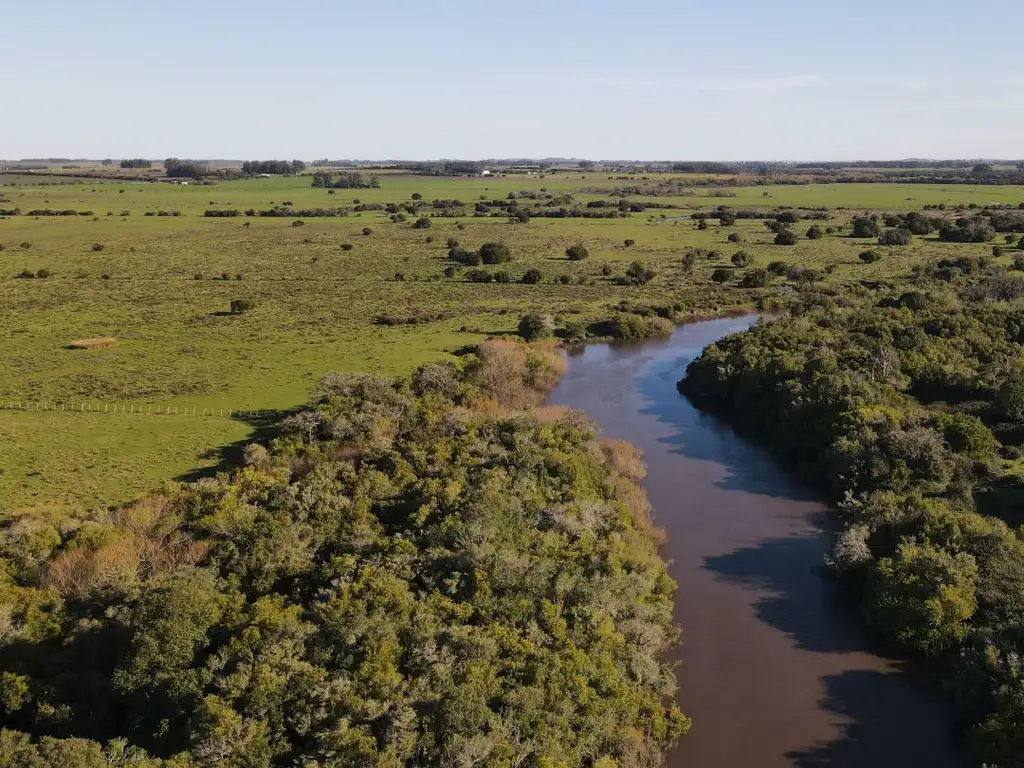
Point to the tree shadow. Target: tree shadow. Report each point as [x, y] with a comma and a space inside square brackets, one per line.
[703, 436]
[881, 713]
[265, 425]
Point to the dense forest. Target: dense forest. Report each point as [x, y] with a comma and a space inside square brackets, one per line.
[427, 571]
[907, 406]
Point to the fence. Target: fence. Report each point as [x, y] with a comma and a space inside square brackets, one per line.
[128, 409]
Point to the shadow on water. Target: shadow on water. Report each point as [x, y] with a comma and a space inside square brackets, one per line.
[875, 733]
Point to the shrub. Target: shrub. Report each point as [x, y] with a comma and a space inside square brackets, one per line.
[564, 279]
[755, 278]
[638, 274]
[628, 242]
[535, 326]
[501, 276]
[26, 274]
[460, 226]
[367, 231]
[740, 259]
[864, 227]
[576, 252]
[997, 251]
[721, 275]
[416, 196]
[735, 237]
[778, 268]
[531, 276]
[452, 242]
[421, 223]
[786, 238]
[495, 253]
[727, 219]
[869, 257]
[814, 233]
[97, 247]
[347, 246]
[466, 258]
[479, 276]
[702, 223]
[25, 245]
[298, 223]
[239, 306]
[43, 273]
[449, 272]
[901, 236]
[104, 276]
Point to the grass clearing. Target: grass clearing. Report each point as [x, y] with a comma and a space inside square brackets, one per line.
[163, 287]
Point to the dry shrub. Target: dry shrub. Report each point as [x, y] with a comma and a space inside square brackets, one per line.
[145, 540]
[549, 414]
[108, 341]
[516, 374]
[624, 457]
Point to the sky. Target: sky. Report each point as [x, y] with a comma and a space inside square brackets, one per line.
[472, 79]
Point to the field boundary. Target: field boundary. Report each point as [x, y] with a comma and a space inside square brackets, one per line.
[128, 409]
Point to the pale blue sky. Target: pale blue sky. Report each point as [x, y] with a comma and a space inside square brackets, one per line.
[657, 79]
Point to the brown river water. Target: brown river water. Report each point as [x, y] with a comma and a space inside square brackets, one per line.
[774, 670]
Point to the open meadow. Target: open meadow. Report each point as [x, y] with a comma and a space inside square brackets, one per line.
[354, 292]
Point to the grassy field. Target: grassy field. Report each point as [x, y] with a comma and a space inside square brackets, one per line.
[149, 282]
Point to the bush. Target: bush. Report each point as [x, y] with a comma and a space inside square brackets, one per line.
[421, 223]
[755, 278]
[633, 327]
[535, 326]
[778, 268]
[997, 251]
[869, 257]
[466, 258]
[240, 306]
[531, 276]
[452, 242]
[479, 276]
[814, 233]
[786, 238]
[25, 245]
[367, 231]
[347, 246]
[576, 252]
[298, 223]
[628, 242]
[740, 259]
[735, 237]
[564, 279]
[43, 273]
[495, 253]
[865, 227]
[638, 274]
[899, 236]
[501, 276]
[727, 219]
[702, 223]
[721, 275]
[97, 247]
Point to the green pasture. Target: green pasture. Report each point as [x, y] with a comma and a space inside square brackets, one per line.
[154, 284]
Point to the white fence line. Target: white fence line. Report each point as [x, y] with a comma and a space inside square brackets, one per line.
[128, 409]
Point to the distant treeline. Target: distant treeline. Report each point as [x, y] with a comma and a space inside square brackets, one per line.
[442, 167]
[280, 167]
[137, 162]
[185, 169]
[351, 180]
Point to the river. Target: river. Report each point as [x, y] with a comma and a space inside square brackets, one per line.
[773, 670]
